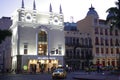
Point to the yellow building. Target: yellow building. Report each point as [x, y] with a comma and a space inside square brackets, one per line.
[105, 42]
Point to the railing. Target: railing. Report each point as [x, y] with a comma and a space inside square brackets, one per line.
[108, 55]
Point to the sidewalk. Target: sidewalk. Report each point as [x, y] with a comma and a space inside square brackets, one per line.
[94, 76]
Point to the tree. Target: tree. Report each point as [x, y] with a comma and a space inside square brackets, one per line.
[114, 19]
[4, 34]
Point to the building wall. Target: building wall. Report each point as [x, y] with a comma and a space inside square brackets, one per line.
[90, 24]
[5, 46]
[78, 47]
[26, 45]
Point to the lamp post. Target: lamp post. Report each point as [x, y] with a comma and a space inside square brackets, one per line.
[3, 61]
[48, 62]
[119, 61]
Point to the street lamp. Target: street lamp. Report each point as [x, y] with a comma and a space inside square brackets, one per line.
[3, 61]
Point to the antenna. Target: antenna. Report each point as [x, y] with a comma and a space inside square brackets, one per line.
[71, 19]
[22, 6]
[34, 5]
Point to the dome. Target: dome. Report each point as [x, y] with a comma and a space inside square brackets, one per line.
[92, 12]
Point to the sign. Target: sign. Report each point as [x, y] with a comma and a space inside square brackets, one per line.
[25, 67]
[44, 58]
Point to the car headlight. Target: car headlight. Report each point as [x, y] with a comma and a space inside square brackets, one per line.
[53, 73]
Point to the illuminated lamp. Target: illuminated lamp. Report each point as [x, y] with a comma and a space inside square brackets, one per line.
[25, 67]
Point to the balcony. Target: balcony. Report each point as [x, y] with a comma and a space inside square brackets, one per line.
[106, 55]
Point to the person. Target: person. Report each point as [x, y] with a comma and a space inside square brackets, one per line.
[98, 68]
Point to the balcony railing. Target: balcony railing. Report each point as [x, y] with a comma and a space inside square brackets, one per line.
[106, 55]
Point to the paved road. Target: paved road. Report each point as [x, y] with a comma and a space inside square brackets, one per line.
[95, 76]
[70, 76]
[43, 76]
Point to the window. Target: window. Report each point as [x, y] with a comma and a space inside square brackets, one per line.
[102, 41]
[102, 50]
[106, 50]
[73, 41]
[97, 50]
[106, 32]
[86, 41]
[117, 50]
[116, 42]
[111, 42]
[96, 41]
[25, 48]
[106, 42]
[111, 32]
[42, 43]
[111, 50]
[101, 31]
[90, 42]
[96, 30]
[116, 32]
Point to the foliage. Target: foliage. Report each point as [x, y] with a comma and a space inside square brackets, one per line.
[4, 34]
[114, 19]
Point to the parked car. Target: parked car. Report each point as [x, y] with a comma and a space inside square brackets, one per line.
[59, 73]
[91, 68]
[107, 68]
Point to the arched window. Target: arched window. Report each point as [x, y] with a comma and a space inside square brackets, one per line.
[42, 43]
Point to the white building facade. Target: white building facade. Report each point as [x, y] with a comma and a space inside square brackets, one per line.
[38, 42]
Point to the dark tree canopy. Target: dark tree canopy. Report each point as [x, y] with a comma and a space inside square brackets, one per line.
[4, 34]
[115, 18]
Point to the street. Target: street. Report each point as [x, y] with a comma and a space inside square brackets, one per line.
[70, 76]
[41, 76]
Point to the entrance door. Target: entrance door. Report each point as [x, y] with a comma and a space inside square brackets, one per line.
[33, 68]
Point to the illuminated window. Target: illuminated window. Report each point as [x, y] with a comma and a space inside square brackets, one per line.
[42, 43]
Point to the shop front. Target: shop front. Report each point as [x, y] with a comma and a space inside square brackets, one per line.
[42, 65]
[38, 64]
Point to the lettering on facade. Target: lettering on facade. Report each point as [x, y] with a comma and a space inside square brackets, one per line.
[44, 58]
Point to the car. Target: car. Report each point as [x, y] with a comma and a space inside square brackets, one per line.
[91, 68]
[107, 68]
[59, 73]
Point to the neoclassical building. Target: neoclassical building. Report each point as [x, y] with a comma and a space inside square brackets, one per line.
[91, 41]
[78, 47]
[105, 42]
[38, 39]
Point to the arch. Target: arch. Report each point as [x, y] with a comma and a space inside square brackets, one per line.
[42, 39]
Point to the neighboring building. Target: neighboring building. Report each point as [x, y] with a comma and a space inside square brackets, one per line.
[38, 42]
[105, 42]
[5, 46]
[78, 47]
[70, 26]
